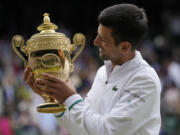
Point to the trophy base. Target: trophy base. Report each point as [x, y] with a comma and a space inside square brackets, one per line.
[51, 107]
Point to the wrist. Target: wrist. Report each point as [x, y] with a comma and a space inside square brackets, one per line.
[69, 95]
[72, 100]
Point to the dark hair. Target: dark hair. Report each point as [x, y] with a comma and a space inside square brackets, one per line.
[127, 21]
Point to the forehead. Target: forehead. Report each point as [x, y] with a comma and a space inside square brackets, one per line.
[104, 31]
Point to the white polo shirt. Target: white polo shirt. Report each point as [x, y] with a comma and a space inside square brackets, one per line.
[122, 101]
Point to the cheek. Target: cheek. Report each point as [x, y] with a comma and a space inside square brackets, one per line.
[105, 45]
[116, 52]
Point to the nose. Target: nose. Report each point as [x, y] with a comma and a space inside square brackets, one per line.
[96, 41]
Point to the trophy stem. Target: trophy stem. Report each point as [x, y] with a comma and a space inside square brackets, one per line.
[51, 106]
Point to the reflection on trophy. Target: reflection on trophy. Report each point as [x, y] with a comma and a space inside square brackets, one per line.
[50, 52]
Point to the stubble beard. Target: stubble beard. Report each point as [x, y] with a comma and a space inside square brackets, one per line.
[103, 56]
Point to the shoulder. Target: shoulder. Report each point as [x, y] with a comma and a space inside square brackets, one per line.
[144, 76]
[147, 71]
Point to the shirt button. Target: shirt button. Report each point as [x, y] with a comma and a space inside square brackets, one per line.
[106, 82]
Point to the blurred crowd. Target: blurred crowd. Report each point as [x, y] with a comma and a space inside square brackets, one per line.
[18, 115]
[161, 49]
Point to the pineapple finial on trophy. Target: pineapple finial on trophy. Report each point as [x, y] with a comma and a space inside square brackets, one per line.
[46, 18]
[47, 25]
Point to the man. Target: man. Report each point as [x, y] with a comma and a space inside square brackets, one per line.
[125, 96]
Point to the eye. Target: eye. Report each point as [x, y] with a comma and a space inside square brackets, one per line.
[102, 39]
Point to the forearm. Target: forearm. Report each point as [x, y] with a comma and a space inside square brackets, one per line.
[68, 121]
[82, 120]
[125, 117]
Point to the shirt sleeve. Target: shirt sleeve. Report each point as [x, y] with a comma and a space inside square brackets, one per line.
[131, 112]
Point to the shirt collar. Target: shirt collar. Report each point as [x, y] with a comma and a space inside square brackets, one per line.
[129, 65]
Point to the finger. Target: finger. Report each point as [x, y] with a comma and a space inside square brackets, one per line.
[37, 90]
[51, 78]
[27, 72]
[46, 88]
[30, 80]
[50, 94]
[46, 82]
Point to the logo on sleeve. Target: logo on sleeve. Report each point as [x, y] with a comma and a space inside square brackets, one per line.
[115, 88]
[135, 96]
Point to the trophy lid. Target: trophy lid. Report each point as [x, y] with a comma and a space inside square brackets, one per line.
[47, 38]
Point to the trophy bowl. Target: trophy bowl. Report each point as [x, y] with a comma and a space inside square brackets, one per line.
[49, 52]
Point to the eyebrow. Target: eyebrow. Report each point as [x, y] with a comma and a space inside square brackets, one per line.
[104, 38]
[101, 37]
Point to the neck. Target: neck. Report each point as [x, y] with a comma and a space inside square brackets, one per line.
[124, 58]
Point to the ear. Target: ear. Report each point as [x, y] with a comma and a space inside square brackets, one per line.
[125, 46]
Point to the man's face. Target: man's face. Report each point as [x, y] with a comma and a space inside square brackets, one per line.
[106, 44]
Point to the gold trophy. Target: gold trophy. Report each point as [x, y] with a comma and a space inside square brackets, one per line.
[50, 52]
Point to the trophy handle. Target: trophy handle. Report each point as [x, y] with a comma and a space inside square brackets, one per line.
[78, 39]
[19, 47]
